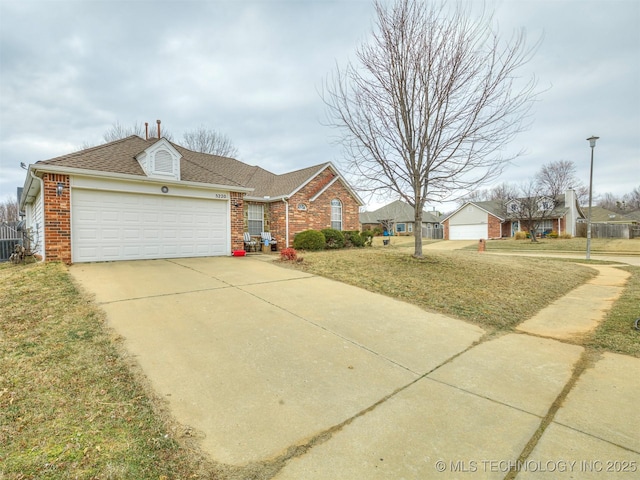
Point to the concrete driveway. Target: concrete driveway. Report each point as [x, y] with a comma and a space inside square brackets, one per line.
[294, 376]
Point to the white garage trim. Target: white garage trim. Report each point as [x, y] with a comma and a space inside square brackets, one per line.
[469, 232]
[107, 225]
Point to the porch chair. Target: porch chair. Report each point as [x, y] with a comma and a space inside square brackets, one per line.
[250, 244]
[268, 240]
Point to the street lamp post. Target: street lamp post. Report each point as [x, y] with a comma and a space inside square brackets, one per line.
[592, 143]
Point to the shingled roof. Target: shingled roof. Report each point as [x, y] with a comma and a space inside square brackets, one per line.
[119, 157]
[398, 211]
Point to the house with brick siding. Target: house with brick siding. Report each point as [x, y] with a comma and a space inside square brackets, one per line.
[499, 219]
[398, 218]
[138, 198]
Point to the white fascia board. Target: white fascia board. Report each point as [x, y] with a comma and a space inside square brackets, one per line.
[137, 178]
[29, 189]
[338, 176]
[304, 184]
[324, 189]
[475, 205]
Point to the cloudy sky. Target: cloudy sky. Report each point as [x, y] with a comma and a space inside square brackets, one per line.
[253, 69]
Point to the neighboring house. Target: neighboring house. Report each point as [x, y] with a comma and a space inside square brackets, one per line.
[397, 217]
[496, 219]
[608, 224]
[602, 215]
[145, 199]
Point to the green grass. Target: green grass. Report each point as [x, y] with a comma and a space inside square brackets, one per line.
[70, 406]
[494, 292]
[617, 333]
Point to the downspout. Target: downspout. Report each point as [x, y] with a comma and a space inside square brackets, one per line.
[286, 221]
[44, 250]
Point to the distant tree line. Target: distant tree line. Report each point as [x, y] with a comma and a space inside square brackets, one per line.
[200, 139]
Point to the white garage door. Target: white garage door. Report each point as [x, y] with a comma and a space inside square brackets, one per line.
[468, 232]
[109, 226]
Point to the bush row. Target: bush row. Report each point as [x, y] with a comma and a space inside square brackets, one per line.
[330, 238]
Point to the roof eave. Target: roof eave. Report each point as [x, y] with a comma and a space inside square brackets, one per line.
[127, 176]
[321, 168]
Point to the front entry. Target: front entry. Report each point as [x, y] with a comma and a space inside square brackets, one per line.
[514, 228]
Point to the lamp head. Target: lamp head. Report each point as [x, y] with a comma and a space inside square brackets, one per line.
[592, 140]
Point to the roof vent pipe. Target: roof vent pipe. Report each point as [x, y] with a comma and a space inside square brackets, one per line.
[158, 122]
[146, 130]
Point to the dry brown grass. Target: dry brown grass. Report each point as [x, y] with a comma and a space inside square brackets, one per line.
[573, 245]
[617, 332]
[494, 292]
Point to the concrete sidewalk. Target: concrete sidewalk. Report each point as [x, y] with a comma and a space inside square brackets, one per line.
[291, 376]
[579, 312]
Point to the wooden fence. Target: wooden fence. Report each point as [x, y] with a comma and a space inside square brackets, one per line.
[433, 233]
[9, 238]
[609, 230]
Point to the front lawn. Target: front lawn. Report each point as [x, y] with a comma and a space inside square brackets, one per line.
[617, 333]
[494, 292]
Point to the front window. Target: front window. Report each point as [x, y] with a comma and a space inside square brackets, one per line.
[336, 214]
[256, 219]
[546, 205]
[545, 225]
[400, 228]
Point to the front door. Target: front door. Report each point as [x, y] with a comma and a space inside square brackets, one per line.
[514, 228]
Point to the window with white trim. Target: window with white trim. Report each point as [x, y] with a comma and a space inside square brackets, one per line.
[400, 227]
[336, 214]
[255, 219]
[545, 225]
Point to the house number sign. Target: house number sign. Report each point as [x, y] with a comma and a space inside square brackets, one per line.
[221, 195]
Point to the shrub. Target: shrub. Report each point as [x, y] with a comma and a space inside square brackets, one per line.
[367, 233]
[288, 254]
[333, 238]
[353, 239]
[309, 240]
[565, 236]
[552, 234]
[367, 237]
[521, 235]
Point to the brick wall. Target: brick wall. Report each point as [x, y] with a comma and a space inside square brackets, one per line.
[445, 225]
[57, 218]
[237, 221]
[494, 227]
[318, 213]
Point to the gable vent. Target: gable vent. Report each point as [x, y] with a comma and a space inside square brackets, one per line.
[163, 162]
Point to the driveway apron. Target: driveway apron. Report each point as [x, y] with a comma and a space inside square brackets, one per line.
[258, 359]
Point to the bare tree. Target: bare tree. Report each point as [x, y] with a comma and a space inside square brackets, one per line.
[616, 203]
[532, 207]
[431, 104]
[632, 199]
[210, 141]
[9, 210]
[118, 131]
[503, 191]
[560, 175]
[199, 139]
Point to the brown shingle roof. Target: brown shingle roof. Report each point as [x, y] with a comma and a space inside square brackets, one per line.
[116, 157]
[119, 157]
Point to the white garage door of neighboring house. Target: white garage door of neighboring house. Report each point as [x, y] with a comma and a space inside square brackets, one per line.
[109, 226]
[468, 232]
